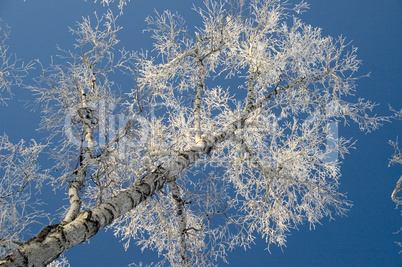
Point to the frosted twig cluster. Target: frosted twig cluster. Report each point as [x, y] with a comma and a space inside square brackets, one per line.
[396, 159]
[19, 176]
[120, 4]
[12, 70]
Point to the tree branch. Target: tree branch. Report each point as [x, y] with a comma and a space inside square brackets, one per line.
[396, 191]
[197, 100]
[182, 222]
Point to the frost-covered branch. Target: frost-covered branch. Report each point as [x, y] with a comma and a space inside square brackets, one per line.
[182, 222]
[197, 100]
[120, 4]
[19, 176]
[396, 159]
[82, 93]
[12, 71]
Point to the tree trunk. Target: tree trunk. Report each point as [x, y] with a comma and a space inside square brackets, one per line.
[52, 241]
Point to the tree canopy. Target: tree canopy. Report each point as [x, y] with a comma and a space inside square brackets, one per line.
[209, 147]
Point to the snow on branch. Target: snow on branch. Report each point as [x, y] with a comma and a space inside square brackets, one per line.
[12, 71]
[120, 4]
[19, 176]
[396, 159]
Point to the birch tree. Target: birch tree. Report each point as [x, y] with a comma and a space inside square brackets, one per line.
[225, 134]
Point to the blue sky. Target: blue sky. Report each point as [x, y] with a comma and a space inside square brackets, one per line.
[363, 238]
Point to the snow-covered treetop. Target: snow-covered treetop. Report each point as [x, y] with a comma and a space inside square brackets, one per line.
[238, 115]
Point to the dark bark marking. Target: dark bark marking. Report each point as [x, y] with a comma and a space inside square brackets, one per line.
[42, 234]
[22, 255]
[185, 156]
[142, 197]
[111, 214]
[131, 199]
[62, 234]
[86, 227]
[113, 207]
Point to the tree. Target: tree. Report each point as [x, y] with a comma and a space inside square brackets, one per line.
[184, 164]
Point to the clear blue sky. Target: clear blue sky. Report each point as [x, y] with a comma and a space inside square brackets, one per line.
[363, 238]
